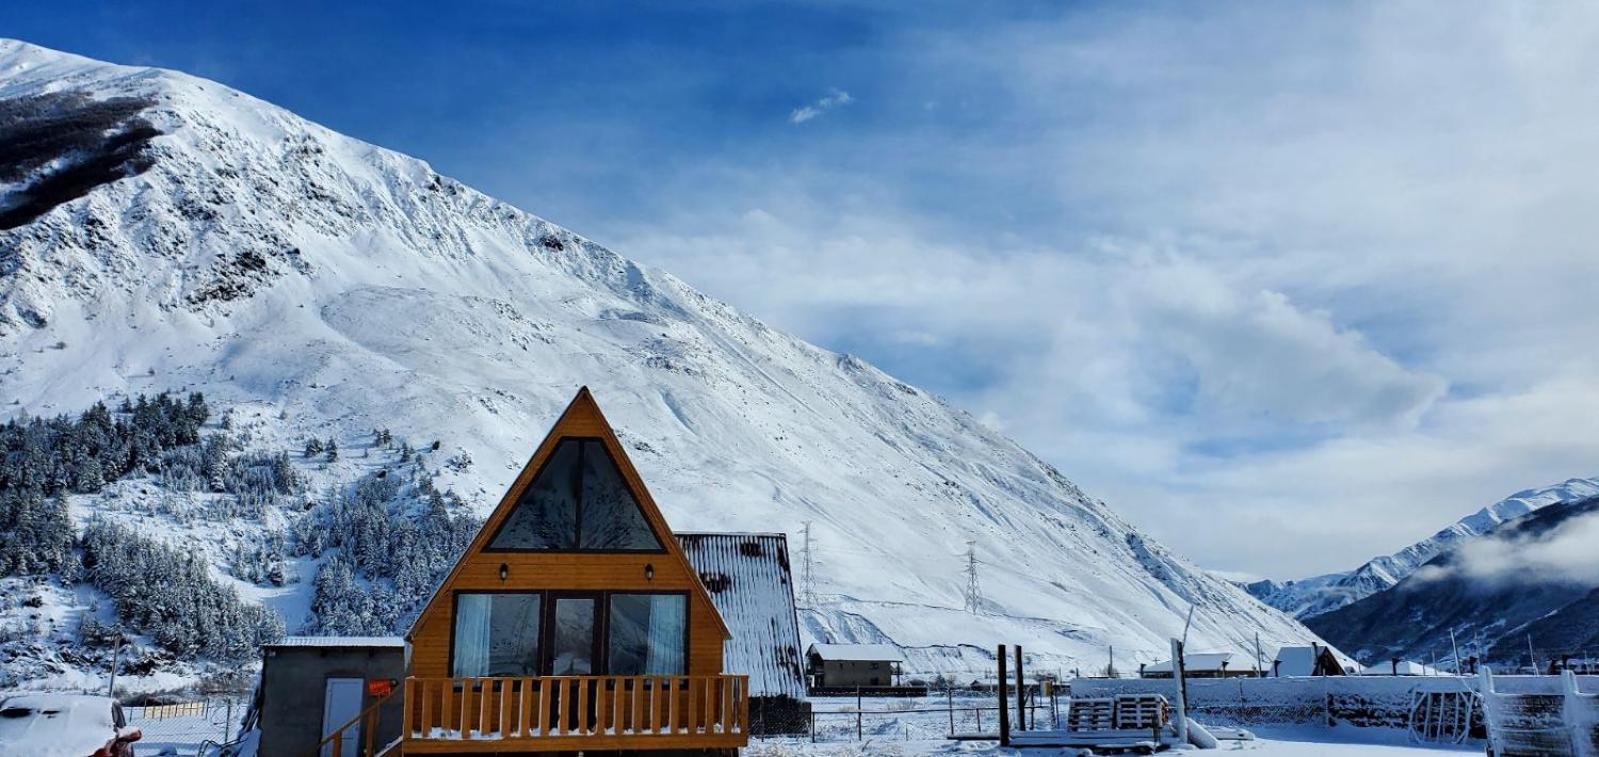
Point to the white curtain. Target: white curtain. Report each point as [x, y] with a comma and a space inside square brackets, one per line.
[472, 634]
[668, 625]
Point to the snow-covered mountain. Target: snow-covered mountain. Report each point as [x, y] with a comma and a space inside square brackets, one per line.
[1526, 584]
[1313, 596]
[175, 233]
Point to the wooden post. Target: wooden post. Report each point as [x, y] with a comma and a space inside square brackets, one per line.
[1021, 693]
[1004, 705]
[1177, 673]
[858, 713]
[949, 696]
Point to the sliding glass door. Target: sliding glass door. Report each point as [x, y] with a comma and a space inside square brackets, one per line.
[568, 633]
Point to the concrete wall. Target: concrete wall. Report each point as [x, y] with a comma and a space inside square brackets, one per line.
[294, 681]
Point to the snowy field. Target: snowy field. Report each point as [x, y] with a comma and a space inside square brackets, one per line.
[920, 726]
[1285, 745]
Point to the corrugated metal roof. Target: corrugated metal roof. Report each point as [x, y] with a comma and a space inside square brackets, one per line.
[749, 581]
[858, 652]
[340, 641]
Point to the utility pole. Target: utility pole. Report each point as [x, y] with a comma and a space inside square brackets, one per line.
[1260, 672]
[116, 660]
[1531, 658]
[1110, 666]
[807, 576]
[974, 590]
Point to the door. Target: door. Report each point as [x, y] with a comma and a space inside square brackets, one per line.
[341, 702]
[574, 644]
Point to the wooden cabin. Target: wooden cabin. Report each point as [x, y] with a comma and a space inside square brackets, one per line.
[573, 622]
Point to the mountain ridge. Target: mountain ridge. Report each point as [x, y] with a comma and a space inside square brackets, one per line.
[1317, 595]
[274, 263]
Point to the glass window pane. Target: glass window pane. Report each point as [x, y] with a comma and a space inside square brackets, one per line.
[647, 634]
[496, 635]
[545, 517]
[574, 636]
[611, 517]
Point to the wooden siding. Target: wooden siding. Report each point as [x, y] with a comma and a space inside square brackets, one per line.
[478, 570]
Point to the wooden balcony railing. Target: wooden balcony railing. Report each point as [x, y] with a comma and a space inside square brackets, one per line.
[550, 713]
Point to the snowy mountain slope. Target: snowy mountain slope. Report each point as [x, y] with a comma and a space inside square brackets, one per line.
[1321, 594]
[263, 259]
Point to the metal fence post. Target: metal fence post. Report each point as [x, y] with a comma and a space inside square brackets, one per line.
[227, 726]
[858, 705]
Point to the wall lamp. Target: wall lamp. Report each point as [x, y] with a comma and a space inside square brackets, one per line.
[505, 571]
[649, 571]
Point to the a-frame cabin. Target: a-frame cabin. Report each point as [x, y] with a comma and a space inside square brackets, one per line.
[573, 622]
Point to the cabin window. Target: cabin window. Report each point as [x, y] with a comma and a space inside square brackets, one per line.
[647, 634]
[497, 634]
[577, 501]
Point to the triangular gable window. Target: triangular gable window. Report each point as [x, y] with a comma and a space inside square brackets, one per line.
[577, 502]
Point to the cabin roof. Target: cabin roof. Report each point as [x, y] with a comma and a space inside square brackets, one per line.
[1202, 662]
[340, 642]
[582, 410]
[1406, 668]
[857, 652]
[748, 577]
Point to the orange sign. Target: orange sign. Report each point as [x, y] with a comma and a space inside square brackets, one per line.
[379, 687]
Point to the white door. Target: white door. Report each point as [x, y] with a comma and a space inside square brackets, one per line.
[340, 704]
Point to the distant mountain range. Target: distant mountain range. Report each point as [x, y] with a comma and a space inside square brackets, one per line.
[1527, 590]
[1318, 595]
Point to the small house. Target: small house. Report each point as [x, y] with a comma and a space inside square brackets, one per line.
[312, 685]
[1398, 667]
[1205, 665]
[750, 583]
[573, 622]
[846, 667]
[1302, 661]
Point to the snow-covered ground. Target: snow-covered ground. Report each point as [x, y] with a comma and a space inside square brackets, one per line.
[921, 726]
[1266, 744]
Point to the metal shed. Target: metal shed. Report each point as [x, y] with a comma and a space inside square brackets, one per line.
[749, 580]
[311, 685]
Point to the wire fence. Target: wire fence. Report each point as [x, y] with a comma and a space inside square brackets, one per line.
[844, 719]
[186, 728]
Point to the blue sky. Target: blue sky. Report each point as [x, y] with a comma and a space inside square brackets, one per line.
[1289, 286]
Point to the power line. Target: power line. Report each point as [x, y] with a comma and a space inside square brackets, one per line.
[974, 590]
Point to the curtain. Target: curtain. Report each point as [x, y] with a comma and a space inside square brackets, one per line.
[668, 623]
[472, 634]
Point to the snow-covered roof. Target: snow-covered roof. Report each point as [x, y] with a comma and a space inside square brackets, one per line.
[1301, 660]
[341, 642]
[1406, 668]
[1205, 662]
[55, 725]
[749, 582]
[857, 652]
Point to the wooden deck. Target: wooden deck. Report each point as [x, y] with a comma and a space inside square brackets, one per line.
[570, 713]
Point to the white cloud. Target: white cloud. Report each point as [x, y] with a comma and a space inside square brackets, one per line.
[1290, 292]
[1564, 554]
[835, 98]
